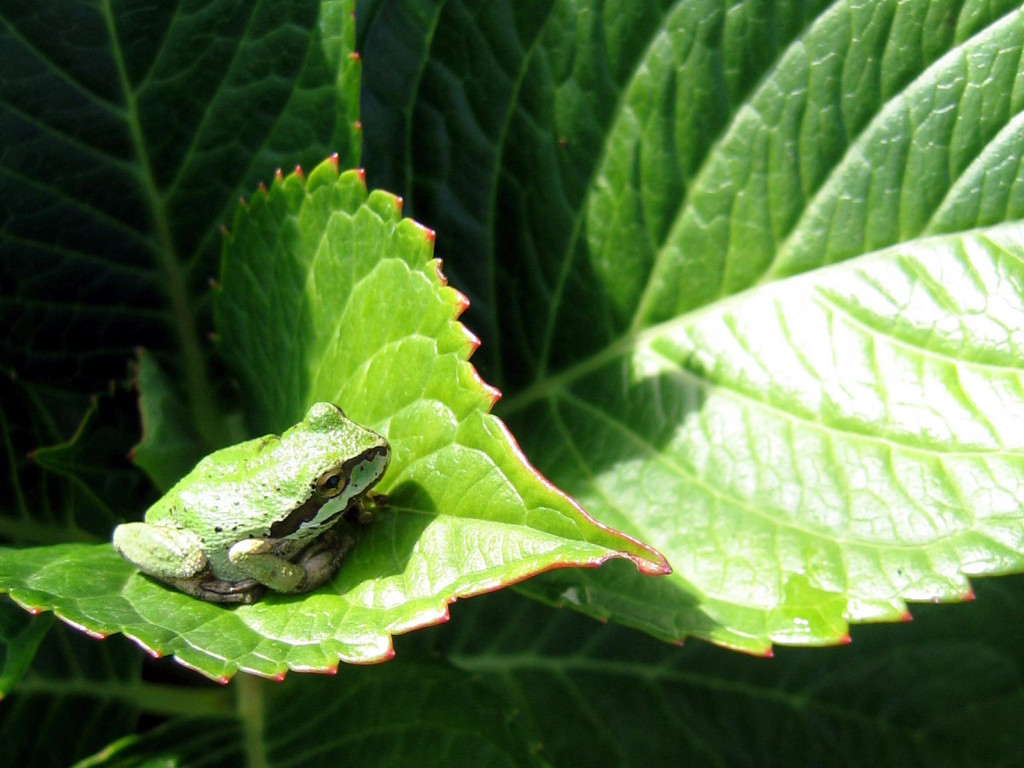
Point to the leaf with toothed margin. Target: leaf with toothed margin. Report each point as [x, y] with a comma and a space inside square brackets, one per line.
[626, 188]
[328, 294]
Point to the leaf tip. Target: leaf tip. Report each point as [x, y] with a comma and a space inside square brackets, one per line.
[357, 126]
[333, 160]
[299, 173]
[354, 56]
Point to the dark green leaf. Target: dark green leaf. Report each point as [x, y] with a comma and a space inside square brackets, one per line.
[423, 714]
[943, 691]
[135, 130]
[169, 448]
[20, 635]
[78, 696]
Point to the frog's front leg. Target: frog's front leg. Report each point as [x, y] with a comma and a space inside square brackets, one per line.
[314, 566]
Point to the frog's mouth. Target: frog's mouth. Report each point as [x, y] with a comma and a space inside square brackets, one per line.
[317, 512]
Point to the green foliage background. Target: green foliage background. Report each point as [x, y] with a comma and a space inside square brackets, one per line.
[749, 276]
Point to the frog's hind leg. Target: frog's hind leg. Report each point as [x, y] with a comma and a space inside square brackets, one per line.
[163, 552]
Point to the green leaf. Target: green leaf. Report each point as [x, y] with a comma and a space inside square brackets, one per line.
[168, 448]
[20, 635]
[135, 130]
[78, 696]
[68, 490]
[943, 691]
[629, 189]
[419, 713]
[353, 311]
[843, 441]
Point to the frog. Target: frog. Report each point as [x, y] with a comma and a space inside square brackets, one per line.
[264, 513]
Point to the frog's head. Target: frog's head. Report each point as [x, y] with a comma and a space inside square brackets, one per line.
[334, 463]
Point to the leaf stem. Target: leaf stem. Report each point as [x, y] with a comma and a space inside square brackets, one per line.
[202, 403]
[249, 707]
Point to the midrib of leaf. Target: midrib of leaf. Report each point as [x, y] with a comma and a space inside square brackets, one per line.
[200, 393]
[549, 385]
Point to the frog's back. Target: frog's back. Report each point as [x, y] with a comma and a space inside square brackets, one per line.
[196, 495]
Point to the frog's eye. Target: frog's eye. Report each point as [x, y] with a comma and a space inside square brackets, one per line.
[329, 484]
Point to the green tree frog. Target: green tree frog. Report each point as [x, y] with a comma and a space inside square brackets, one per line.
[261, 513]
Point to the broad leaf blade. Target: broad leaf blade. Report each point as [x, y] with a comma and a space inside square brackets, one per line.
[655, 167]
[77, 697]
[622, 700]
[405, 713]
[136, 131]
[309, 267]
[842, 441]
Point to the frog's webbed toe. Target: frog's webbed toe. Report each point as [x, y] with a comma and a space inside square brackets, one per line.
[214, 590]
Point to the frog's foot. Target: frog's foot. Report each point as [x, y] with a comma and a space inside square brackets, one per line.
[362, 512]
[214, 590]
[322, 559]
[314, 565]
[256, 557]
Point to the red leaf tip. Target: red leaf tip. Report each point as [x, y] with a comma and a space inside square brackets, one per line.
[333, 160]
[278, 175]
[355, 56]
[299, 172]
